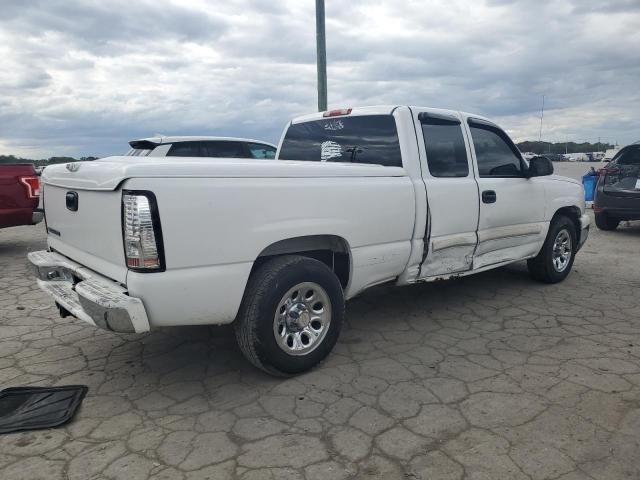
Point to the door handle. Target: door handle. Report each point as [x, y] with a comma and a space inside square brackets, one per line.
[489, 196]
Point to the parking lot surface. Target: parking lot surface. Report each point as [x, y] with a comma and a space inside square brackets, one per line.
[491, 377]
[576, 170]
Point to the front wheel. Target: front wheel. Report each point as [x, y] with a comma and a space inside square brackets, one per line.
[554, 262]
[291, 315]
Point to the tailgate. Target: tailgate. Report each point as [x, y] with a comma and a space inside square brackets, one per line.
[89, 232]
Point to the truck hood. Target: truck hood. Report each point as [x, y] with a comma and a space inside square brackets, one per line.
[108, 173]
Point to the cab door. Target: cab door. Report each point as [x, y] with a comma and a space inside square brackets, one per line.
[452, 193]
[511, 226]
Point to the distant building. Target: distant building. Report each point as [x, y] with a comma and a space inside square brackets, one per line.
[577, 157]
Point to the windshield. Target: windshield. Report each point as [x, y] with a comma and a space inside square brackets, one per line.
[363, 139]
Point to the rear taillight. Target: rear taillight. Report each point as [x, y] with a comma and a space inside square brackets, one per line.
[608, 171]
[141, 231]
[33, 186]
[610, 175]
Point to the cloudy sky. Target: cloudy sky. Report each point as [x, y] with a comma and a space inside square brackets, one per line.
[82, 77]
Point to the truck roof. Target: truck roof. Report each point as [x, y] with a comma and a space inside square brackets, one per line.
[384, 110]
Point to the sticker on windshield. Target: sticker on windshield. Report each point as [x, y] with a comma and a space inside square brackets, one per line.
[329, 150]
[333, 125]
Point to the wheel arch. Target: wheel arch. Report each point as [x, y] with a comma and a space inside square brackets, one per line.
[332, 250]
[573, 213]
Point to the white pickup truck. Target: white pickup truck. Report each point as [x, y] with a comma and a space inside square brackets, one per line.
[356, 198]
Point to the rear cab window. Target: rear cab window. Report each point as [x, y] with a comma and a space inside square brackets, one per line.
[358, 139]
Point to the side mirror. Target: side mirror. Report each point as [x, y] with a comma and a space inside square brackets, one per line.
[540, 166]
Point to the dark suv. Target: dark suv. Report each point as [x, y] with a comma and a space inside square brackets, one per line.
[618, 190]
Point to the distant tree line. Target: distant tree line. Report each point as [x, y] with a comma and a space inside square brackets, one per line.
[43, 161]
[527, 146]
[563, 147]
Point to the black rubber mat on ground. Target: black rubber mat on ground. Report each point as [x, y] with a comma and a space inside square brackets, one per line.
[35, 408]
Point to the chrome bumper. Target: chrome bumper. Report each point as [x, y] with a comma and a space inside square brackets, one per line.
[585, 222]
[88, 296]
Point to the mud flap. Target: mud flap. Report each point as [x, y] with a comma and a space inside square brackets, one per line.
[35, 408]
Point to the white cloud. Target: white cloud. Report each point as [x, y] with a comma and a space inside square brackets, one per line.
[84, 77]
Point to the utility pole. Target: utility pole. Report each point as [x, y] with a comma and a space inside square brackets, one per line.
[541, 117]
[321, 53]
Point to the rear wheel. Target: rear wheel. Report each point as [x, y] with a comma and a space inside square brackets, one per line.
[291, 315]
[606, 222]
[555, 259]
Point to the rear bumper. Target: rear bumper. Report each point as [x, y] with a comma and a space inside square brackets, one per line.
[14, 217]
[88, 296]
[621, 207]
[585, 223]
[620, 213]
[37, 216]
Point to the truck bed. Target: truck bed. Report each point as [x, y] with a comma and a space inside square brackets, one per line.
[218, 217]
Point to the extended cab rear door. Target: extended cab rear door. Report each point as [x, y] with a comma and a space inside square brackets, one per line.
[452, 193]
[512, 207]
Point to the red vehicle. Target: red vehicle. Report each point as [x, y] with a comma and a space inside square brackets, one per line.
[19, 195]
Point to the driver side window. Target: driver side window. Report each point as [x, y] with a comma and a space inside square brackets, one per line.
[495, 156]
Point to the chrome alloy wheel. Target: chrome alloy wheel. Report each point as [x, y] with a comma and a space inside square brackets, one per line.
[562, 251]
[302, 318]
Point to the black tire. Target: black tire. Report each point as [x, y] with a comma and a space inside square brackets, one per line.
[254, 325]
[542, 267]
[605, 222]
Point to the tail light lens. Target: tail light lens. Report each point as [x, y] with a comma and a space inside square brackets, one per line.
[33, 186]
[610, 175]
[142, 235]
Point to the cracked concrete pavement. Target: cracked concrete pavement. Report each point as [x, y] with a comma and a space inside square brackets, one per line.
[488, 377]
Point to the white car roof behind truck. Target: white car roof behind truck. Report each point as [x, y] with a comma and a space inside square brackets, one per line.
[195, 138]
